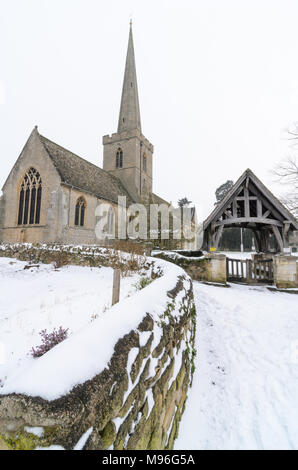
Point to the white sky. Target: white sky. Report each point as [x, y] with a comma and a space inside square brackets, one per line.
[218, 83]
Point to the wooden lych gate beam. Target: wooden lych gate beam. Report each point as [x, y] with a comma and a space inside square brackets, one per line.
[228, 203]
[262, 202]
[246, 220]
[267, 204]
[261, 234]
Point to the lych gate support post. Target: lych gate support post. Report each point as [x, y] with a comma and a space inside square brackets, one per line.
[116, 286]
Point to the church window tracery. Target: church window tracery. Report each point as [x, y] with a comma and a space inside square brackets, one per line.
[80, 212]
[30, 198]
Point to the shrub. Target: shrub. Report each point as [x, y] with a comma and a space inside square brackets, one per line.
[143, 282]
[49, 340]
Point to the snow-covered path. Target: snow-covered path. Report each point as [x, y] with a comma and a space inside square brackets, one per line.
[245, 390]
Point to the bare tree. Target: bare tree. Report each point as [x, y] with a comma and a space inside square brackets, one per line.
[286, 173]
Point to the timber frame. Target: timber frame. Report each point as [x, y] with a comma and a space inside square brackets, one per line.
[249, 204]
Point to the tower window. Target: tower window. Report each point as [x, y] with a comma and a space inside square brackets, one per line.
[80, 210]
[30, 198]
[119, 158]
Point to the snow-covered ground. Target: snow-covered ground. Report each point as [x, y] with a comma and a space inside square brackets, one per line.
[41, 298]
[245, 390]
[243, 254]
[89, 348]
[237, 254]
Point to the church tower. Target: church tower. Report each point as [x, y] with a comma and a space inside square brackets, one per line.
[127, 153]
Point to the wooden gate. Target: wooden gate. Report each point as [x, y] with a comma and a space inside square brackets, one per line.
[250, 272]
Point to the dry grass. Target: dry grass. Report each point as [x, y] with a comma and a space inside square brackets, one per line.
[127, 256]
[60, 259]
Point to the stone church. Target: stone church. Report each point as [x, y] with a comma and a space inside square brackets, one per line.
[51, 194]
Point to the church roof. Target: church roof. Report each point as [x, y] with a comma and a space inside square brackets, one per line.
[129, 116]
[81, 174]
[155, 199]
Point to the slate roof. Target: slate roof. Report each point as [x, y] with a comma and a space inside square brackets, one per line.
[81, 174]
[155, 199]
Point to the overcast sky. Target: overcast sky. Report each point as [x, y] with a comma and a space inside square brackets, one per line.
[218, 83]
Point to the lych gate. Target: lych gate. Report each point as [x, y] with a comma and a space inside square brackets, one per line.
[249, 204]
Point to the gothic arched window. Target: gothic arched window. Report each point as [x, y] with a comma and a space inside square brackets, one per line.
[30, 198]
[119, 158]
[145, 163]
[80, 212]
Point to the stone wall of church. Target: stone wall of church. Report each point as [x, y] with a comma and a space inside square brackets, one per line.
[57, 217]
[1, 215]
[33, 155]
[71, 233]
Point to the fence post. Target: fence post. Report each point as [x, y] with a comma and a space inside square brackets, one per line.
[248, 271]
[116, 286]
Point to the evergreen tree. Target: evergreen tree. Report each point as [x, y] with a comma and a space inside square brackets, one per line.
[223, 190]
[183, 202]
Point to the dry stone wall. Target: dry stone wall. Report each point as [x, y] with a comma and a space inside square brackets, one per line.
[206, 268]
[136, 402]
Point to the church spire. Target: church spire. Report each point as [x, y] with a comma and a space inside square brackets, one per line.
[129, 116]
